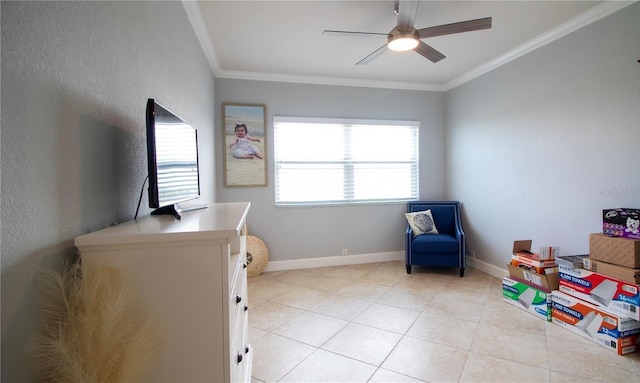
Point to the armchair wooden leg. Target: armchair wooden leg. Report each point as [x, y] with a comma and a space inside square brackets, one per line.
[408, 269]
[461, 272]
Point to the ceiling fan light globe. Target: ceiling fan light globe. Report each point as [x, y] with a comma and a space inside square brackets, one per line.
[402, 44]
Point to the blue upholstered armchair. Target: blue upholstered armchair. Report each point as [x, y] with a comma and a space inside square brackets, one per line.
[447, 248]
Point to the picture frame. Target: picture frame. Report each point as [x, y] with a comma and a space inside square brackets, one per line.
[244, 153]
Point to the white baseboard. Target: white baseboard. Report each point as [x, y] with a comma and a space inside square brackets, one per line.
[487, 268]
[309, 263]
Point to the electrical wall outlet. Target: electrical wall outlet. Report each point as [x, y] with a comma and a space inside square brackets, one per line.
[345, 252]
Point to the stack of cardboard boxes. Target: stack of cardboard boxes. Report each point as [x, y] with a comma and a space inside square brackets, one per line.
[532, 278]
[597, 296]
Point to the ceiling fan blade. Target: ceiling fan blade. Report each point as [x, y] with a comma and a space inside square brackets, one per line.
[406, 15]
[428, 52]
[373, 55]
[349, 33]
[447, 29]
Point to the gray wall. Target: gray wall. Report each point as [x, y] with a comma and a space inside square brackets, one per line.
[295, 233]
[75, 80]
[537, 148]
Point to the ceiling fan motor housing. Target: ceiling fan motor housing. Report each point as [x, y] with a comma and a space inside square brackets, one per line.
[402, 41]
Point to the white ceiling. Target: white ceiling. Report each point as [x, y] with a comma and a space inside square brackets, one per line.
[283, 40]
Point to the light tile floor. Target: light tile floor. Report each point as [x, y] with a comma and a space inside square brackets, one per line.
[375, 323]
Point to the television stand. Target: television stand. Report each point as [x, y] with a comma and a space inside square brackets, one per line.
[173, 210]
[190, 208]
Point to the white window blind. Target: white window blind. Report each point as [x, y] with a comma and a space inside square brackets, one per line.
[337, 161]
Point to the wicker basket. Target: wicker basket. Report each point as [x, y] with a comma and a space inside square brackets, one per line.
[257, 256]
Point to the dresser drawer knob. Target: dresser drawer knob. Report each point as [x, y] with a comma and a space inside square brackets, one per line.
[244, 265]
[246, 350]
[239, 358]
[246, 307]
[238, 299]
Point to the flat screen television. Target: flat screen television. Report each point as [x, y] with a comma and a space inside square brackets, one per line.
[172, 158]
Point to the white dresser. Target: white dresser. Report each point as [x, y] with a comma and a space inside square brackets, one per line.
[190, 274]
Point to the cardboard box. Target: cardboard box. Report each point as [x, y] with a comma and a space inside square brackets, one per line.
[599, 289]
[571, 262]
[523, 257]
[621, 222]
[527, 298]
[546, 282]
[532, 265]
[619, 272]
[549, 252]
[617, 250]
[604, 327]
[589, 264]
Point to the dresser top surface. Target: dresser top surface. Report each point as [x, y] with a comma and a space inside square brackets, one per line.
[223, 220]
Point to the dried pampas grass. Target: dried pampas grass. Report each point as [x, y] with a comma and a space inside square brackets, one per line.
[91, 328]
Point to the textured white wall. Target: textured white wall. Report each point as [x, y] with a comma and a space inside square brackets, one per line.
[537, 148]
[296, 233]
[75, 80]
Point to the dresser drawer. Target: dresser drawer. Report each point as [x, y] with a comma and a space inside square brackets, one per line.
[238, 286]
[237, 262]
[237, 258]
[241, 356]
[238, 301]
[237, 357]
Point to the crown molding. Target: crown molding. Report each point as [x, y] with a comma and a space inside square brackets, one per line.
[319, 80]
[202, 34]
[199, 27]
[596, 13]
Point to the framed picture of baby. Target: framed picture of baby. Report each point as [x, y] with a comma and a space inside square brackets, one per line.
[244, 144]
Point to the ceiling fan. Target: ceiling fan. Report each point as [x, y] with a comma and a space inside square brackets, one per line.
[406, 37]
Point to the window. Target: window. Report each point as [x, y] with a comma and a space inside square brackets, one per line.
[329, 161]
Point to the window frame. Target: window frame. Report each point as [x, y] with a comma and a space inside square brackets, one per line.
[348, 163]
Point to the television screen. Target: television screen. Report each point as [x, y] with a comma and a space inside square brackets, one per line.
[172, 153]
